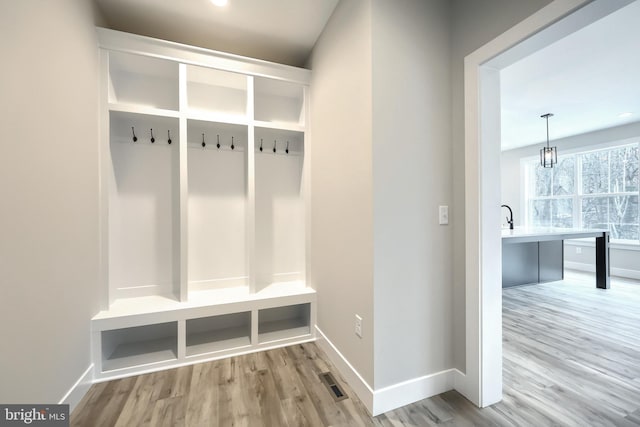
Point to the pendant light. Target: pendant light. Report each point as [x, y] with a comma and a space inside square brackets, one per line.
[548, 155]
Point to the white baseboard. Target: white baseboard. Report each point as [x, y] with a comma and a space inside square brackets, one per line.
[393, 396]
[618, 272]
[580, 266]
[348, 372]
[78, 390]
[461, 384]
[406, 392]
[623, 272]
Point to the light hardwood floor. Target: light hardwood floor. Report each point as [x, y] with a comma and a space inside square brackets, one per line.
[571, 358]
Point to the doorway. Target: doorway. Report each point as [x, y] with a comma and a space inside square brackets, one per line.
[483, 292]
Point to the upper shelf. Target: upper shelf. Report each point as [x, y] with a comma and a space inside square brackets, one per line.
[143, 81]
[214, 91]
[212, 87]
[278, 101]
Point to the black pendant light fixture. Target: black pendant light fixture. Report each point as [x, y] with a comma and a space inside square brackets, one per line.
[548, 155]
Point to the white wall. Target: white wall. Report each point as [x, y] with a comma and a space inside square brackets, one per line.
[411, 177]
[341, 182]
[473, 24]
[624, 262]
[48, 188]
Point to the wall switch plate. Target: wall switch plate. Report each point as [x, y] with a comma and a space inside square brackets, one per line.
[358, 326]
[443, 215]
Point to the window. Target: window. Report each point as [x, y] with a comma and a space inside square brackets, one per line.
[595, 189]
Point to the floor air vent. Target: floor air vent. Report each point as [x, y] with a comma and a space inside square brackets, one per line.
[332, 385]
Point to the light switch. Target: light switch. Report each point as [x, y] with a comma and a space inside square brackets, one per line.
[444, 215]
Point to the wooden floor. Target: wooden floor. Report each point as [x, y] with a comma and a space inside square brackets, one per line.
[571, 358]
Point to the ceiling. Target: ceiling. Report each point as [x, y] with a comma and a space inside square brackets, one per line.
[281, 31]
[586, 80]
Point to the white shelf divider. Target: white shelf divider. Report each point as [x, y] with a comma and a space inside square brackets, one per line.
[137, 109]
[183, 214]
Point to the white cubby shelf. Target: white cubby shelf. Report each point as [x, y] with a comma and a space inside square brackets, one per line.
[203, 234]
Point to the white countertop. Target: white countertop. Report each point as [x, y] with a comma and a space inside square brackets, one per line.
[550, 233]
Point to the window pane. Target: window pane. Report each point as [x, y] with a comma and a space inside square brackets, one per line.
[595, 212]
[623, 216]
[540, 213]
[618, 214]
[562, 212]
[551, 212]
[624, 169]
[595, 172]
[564, 177]
[542, 180]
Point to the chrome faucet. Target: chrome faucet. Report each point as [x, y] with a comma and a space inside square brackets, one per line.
[510, 217]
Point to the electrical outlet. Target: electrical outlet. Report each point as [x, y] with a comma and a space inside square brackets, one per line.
[359, 326]
[578, 250]
[443, 212]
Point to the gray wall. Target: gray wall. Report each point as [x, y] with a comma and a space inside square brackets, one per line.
[474, 23]
[411, 177]
[341, 174]
[387, 94]
[380, 168]
[48, 188]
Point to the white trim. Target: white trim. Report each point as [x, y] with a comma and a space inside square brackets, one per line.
[413, 390]
[141, 45]
[396, 395]
[580, 266]
[78, 390]
[624, 272]
[358, 384]
[591, 268]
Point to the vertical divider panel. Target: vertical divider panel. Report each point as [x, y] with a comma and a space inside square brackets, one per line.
[313, 317]
[251, 193]
[182, 339]
[104, 174]
[183, 175]
[306, 193]
[254, 327]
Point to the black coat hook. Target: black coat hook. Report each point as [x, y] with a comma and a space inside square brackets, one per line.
[287, 150]
[232, 146]
[152, 138]
[218, 144]
[261, 144]
[274, 145]
[133, 131]
[169, 136]
[204, 144]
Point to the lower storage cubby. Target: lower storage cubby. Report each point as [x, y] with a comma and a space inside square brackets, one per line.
[139, 345]
[218, 333]
[181, 333]
[286, 322]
